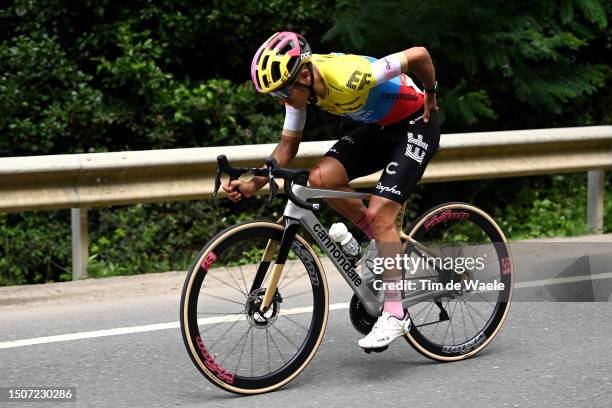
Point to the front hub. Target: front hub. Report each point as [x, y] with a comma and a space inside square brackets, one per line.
[256, 318]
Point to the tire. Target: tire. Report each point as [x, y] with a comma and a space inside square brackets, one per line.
[207, 355]
[441, 217]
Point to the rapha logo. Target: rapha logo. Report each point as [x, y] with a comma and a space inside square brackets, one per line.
[392, 190]
[416, 147]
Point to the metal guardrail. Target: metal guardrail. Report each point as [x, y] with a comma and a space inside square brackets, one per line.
[102, 179]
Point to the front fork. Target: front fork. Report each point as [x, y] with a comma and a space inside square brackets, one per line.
[291, 226]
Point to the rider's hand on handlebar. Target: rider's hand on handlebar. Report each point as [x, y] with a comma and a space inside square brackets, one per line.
[238, 188]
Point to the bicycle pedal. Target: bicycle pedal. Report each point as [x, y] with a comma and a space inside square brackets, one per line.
[375, 350]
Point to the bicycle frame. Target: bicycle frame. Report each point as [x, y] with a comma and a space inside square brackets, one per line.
[294, 216]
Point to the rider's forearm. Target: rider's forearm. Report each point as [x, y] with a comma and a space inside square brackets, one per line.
[418, 60]
[283, 153]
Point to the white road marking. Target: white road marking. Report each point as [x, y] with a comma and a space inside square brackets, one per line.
[556, 281]
[145, 328]
[218, 319]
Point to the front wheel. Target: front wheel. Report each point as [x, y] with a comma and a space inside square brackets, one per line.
[233, 344]
[473, 253]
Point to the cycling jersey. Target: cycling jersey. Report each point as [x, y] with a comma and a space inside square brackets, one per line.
[352, 91]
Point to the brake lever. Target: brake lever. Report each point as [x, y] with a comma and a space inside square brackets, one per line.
[223, 166]
[272, 164]
[221, 161]
[217, 183]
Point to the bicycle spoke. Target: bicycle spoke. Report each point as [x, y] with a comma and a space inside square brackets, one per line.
[224, 333]
[297, 294]
[471, 317]
[294, 280]
[477, 312]
[226, 299]
[242, 350]
[428, 312]
[294, 322]
[429, 324]
[268, 349]
[226, 284]
[236, 282]
[276, 346]
[246, 288]
[285, 337]
[235, 345]
[483, 298]
[252, 354]
[219, 313]
[463, 320]
[228, 319]
[285, 274]
[450, 323]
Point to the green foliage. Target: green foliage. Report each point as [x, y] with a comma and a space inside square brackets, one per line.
[34, 247]
[45, 99]
[150, 238]
[550, 207]
[526, 207]
[493, 59]
[132, 76]
[100, 75]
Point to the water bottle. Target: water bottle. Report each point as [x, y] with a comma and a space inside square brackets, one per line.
[349, 245]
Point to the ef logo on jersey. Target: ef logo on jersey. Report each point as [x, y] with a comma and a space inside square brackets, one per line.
[416, 147]
[358, 80]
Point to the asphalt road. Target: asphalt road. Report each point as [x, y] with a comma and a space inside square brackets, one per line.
[554, 349]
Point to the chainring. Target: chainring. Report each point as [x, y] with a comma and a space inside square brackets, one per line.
[361, 320]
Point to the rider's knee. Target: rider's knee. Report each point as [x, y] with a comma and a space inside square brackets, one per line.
[316, 178]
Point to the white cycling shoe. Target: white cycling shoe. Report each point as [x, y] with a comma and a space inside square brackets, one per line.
[386, 329]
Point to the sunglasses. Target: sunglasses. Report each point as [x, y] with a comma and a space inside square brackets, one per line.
[285, 92]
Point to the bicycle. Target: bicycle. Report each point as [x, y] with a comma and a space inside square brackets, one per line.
[280, 302]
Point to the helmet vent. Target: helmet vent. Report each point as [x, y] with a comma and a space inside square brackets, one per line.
[291, 64]
[275, 43]
[287, 47]
[256, 77]
[276, 74]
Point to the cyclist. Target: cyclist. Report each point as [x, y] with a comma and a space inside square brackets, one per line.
[400, 134]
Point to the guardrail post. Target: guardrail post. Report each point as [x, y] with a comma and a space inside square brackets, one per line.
[80, 243]
[595, 200]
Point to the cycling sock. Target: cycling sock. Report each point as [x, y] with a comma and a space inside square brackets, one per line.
[395, 309]
[365, 225]
[393, 299]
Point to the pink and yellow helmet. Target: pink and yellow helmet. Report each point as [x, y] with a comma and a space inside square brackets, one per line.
[277, 62]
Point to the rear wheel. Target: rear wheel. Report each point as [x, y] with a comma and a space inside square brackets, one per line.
[230, 342]
[463, 321]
